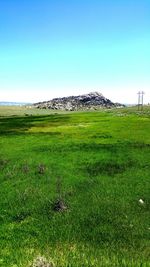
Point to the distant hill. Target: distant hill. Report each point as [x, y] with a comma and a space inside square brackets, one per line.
[4, 103]
[91, 101]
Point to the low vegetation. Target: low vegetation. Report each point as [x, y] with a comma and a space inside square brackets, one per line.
[74, 188]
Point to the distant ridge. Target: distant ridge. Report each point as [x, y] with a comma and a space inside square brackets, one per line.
[91, 101]
[5, 103]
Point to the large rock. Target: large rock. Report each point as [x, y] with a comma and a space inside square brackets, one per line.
[89, 101]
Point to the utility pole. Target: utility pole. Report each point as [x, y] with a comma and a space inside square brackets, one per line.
[142, 93]
[140, 100]
[139, 97]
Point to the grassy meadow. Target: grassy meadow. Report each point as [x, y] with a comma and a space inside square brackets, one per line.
[98, 164]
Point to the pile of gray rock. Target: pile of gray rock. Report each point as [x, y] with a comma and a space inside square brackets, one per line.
[91, 101]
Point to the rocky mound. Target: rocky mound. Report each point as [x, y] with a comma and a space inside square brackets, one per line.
[89, 101]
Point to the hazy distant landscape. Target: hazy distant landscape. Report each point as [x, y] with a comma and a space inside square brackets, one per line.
[4, 103]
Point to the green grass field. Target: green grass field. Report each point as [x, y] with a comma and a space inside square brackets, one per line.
[98, 164]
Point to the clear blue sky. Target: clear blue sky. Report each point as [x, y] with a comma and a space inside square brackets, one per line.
[67, 47]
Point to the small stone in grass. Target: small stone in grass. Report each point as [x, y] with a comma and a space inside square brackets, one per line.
[141, 201]
[42, 262]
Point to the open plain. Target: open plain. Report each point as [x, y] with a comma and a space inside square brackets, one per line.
[74, 187]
